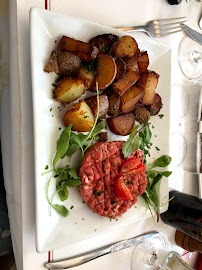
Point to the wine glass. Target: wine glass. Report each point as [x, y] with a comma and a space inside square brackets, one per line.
[153, 255]
[190, 58]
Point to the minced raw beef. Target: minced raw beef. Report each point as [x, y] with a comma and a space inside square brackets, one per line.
[98, 171]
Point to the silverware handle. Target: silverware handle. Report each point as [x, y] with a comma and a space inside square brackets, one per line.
[78, 260]
[193, 34]
[132, 28]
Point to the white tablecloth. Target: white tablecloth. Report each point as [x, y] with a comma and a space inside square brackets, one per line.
[17, 126]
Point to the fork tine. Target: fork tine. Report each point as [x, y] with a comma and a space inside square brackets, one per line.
[167, 33]
[162, 31]
[164, 21]
[165, 26]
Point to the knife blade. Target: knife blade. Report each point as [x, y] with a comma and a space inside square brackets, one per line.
[86, 257]
[193, 34]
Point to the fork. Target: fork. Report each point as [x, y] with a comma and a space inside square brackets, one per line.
[159, 28]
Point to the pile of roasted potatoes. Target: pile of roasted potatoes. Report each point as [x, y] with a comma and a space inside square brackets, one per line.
[121, 71]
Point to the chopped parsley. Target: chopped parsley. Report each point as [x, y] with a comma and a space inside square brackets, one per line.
[100, 192]
[161, 116]
[157, 148]
[46, 168]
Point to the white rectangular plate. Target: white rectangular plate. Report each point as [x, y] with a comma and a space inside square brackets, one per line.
[56, 231]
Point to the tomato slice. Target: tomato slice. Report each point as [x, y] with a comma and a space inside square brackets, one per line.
[121, 190]
[140, 168]
[129, 164]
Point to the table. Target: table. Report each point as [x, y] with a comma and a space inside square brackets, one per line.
[17, 126]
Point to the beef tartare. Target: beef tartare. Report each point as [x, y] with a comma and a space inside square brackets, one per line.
[99, 169]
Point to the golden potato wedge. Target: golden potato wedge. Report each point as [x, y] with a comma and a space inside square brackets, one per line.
[156, 106]
[114, 101]
[127, 47]
[86, 76]
[143, 62]
[123, 84]
[73, 45]
[106, 71]
[122, 124]
[85, 51]
[121, 68]
[103, 105]
[104, 42]
[148, 81]
[131, 64]
[69, 89]
[130, 98]
[80, 116]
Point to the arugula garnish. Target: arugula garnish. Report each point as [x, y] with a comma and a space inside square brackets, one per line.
[146, 144]
[140, 138]
[134, 141]
[62, 145]
[68, 143]
[154, 177]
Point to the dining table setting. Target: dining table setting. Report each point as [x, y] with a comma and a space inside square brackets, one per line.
[154, 223]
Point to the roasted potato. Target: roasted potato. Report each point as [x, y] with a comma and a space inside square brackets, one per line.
[106, 71]
[131, 64]
[123, 84]
[86, 76]
[87, 57]
[121, 68]
[80, 116]
[104, 42]
[114, 101]
[126, 47]
[85, 51]
[102, 137]
[130, 98]
[112, 51]
[63, 63]
[141, 114]
[122, 124]
[69, 89]
[103, 105]
[143, 62]
[156, 106]
[148, 81]
[73, 45]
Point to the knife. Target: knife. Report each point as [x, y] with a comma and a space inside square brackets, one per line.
[86, 257]
[193, 34]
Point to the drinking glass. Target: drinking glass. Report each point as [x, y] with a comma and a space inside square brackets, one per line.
[153, 255]
[190, 58]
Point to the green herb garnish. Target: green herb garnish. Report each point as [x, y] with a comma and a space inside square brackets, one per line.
[135, 140]
[153, 182]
